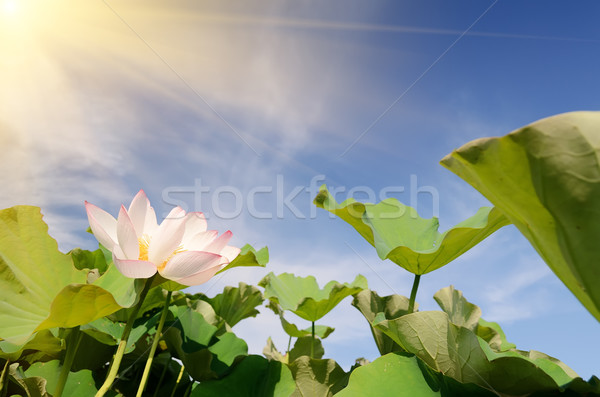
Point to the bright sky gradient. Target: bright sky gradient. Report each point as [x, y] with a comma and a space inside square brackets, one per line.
[100, 99]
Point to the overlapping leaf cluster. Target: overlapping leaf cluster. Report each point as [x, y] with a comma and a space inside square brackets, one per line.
[544, 178]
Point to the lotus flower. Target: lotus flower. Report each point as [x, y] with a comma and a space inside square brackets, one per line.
[179, 249]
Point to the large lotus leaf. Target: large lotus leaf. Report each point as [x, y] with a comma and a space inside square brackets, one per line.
[236, 303]
[249, 257]
[393, 306]
[402, 375]
[84, 259]
[36, 290]
[399, 234]
[80, 383]
[303, 347]
[303, 297]
[545, 178]
[457, 352]
[463, 313]
[317, 378]
[44, 343]
[322, 331]
[254, 376]
[15, 383]
[193, 340]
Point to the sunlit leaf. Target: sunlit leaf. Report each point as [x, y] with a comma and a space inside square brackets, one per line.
[303, 297]
[32, 273]
[44, 343]
[393, 306]
[79, 383]
[457, 352]
[271, 352]
[399, 234]
[402, 375]
[317, 378]
[322, 331]
[545, 178]
[236, 303]
[254, 376]
[249, 257]
[463, 313]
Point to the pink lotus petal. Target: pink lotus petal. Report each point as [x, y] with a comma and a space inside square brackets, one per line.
[167, 237]
[132, 268]
[219, 243]
[230, 253]
[201, 240]
[103, 225]
[195, 224]
[188, 263]
[150, 225]
[128, 240]
[200, 277]
[137, 212]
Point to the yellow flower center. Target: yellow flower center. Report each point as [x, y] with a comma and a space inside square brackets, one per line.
[144, 243]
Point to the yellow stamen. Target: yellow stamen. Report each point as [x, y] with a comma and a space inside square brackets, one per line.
[144, 243]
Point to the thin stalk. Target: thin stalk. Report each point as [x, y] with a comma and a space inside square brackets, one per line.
[73, 340]
[157, 337]
[178, 380]
[312, 342]
[4, 379]
[162, 377]
[413, 293]
[114, 368]
[289, 345]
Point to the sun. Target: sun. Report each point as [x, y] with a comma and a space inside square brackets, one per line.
[9, 8]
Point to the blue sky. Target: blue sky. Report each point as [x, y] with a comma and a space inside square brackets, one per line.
[255, 102]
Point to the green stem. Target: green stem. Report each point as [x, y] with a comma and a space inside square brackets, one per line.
[413, 293]
[178, 380]
[114, 368]
[162, 377]
[312, 342]
[73, 340]
[4, 379]
[289, 345]
[157, 337]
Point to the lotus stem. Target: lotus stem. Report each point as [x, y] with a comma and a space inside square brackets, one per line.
[157, 337]
[413, 293]
[312, 342]
[289, 345]
[178, 380]
[114, 368]
[73, 340]
[4, 379]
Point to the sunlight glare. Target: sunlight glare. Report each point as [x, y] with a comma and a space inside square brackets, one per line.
[9, 7]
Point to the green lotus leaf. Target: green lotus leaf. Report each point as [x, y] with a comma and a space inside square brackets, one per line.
[463, 313]
[80, 383]
[302, 347]
[236, 303]
[249, 257]
[303, 297]
[254, 376]
[43, 346]
[414, 243]
[322, 331]
[317, 377]
[205, 353]
[369, 303]
[459, 353]
[545, 177]
[37, 280]
[84, 259]
[405, 376]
